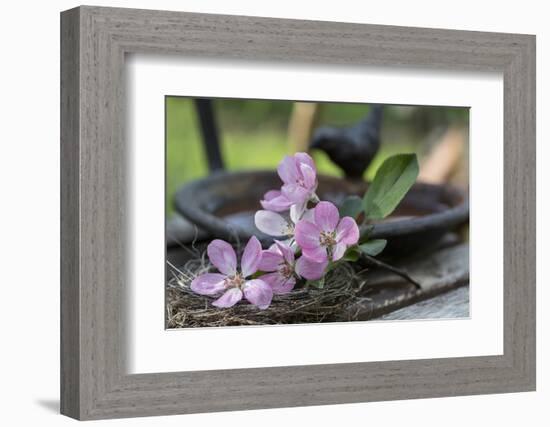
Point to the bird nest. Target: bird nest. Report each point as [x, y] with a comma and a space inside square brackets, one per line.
[304, 304]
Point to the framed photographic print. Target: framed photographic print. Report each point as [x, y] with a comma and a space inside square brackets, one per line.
[262, 213]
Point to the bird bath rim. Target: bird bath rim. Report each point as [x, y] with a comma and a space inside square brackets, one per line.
[204, 200]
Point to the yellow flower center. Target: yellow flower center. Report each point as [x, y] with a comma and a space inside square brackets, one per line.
[286, 270]
[237, 281]
[327, 238]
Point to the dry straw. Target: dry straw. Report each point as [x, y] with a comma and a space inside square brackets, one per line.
[186, 309]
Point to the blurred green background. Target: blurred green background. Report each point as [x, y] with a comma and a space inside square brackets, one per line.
[254, 134]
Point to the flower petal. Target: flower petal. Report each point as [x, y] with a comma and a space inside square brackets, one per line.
[326, 216]
[286, 251]
[310, 181]
[275, 201]
[271, 259]
[310, 270]
[291, 242]
[272, 194]
[297, 211]
[308, 215]
[229, 298]
[208, 284]
[273, 279]
[279, 283]
[287, 170]
[304, 158]
[307, 234]
[296, 193]
[271, 223]
[318, 254]
[338, 251]
[252, 255]
[223, 256]
[347, 231]
[258, 293]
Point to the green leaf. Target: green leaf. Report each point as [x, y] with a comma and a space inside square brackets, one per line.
[373, 247]
[392, 181]
[352, 254]
[364, 232]
[319, 284]
[352, 206]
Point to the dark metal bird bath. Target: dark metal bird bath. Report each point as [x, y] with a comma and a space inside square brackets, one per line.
[224, 204]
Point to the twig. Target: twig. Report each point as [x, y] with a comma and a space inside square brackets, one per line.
[395, 270]
[173, 267]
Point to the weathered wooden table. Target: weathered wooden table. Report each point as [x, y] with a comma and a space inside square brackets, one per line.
[443, 274]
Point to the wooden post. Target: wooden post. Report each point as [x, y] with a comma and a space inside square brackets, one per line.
[301, 124]
[445, 158]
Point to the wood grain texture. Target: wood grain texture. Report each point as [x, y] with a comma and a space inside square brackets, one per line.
[438, 272]
[94, 232]
[450, 305]
[70, 314]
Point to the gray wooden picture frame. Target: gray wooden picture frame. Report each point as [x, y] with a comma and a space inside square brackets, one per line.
[94, 41]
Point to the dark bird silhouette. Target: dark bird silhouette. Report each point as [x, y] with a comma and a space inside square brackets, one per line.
[351, 148]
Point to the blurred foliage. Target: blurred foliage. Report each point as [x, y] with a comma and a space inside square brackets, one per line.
[254, 134]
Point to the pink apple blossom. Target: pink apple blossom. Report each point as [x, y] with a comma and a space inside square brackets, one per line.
[234, 284]
[299, 178]
[328, 237]
[283, 270]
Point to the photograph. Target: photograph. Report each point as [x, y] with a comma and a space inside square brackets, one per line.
[299, 212]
